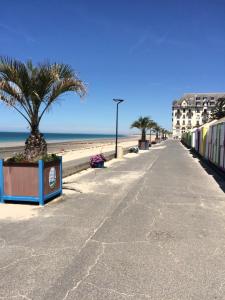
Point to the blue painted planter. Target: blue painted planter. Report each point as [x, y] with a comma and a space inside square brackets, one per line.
[30, 182]
[99, 165]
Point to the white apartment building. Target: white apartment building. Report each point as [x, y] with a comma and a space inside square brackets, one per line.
[192, 110]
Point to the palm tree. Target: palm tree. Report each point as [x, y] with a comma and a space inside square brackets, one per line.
[157, 129]
[32, 90]
[219, 110]
[166, 133]
[163, 131]
[142, 123]
[151, 126]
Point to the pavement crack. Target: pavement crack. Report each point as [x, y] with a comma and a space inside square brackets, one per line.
[32, 255]
[16, 296]
[89, 269]
[24, 297]
[2, 243]
[151, 225]
[139, 193]
[121, 242]
[119, 293]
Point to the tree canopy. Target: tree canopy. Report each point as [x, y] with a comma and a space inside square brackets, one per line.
[219, 110]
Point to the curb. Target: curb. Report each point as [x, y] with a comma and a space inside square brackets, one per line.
[81, 166]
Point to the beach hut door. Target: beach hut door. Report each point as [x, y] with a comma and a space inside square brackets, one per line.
[222, 145]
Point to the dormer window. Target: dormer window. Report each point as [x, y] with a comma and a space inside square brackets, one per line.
[184, 103]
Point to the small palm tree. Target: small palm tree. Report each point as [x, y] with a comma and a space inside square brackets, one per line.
[32, 90]
[151, 126]
[219, 110]
[163, 132]
[142, 124]
[157, 130]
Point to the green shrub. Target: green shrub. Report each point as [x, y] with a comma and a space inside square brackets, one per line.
[20, 158]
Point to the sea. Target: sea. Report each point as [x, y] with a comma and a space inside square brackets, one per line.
[6, 137]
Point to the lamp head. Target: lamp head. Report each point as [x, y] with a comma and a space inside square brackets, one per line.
[118, 100]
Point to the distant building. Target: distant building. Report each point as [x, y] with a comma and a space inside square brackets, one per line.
[192, 110]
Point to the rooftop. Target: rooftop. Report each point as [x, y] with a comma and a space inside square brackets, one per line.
[191, 98]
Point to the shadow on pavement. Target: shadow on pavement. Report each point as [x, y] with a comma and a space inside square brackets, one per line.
[211, 169]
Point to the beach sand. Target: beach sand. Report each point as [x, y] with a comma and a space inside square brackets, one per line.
[71, 150]
[95, 149]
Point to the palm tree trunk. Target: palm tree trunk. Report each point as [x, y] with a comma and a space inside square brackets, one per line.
[143, 135]
[150, 136]
[35, 145]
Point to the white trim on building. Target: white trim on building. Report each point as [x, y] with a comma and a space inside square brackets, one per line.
[192, 110]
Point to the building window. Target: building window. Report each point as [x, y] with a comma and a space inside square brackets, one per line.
[197, 110]
[184, 110]
[211, 98]
[189, 122]
[198, 98]
[183, 122]
[197, 123]
[205, 98]
[198, 103]
[178, 122]
[183, 116]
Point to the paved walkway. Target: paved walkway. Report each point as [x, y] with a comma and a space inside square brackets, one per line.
[150, 227]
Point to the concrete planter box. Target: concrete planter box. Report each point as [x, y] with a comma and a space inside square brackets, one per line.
[30, 182]
[143, 145]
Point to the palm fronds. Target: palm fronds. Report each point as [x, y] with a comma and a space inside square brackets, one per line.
[31, 90]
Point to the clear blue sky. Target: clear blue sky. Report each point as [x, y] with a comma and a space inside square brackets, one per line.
[148, 52]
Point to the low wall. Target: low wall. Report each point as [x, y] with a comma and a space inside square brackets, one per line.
[73, 167]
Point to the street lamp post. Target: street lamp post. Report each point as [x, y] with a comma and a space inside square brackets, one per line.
[118, 101]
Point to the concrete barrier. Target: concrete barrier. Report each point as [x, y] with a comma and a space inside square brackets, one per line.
[78, 165]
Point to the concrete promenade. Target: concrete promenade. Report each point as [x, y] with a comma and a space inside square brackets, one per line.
[149, 227]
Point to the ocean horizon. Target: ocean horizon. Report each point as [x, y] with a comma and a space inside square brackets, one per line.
[11, 136]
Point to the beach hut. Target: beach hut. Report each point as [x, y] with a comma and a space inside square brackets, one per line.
[204, 139]
[193, 138]
[221, 146]
[197, 139]
[218, 143]
[208, 139]
[189, 137]
[201, 138]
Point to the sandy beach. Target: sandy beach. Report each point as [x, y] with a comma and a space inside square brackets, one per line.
[71, 150]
